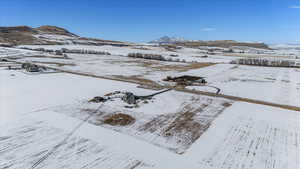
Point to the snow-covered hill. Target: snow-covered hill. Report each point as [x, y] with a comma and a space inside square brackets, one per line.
[47, 35]
[285, 46]
[168, 40]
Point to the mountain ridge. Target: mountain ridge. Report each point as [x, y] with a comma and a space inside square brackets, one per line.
[47, 35]
[166, 40]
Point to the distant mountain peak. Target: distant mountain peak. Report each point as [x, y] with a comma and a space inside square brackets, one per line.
[169, 40]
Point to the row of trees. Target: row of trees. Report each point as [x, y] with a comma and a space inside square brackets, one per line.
[154, 57]
[65, 50]
[265, 62]
[147, 56]
[84, 51]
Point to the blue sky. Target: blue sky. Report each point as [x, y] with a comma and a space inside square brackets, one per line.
[270, 21]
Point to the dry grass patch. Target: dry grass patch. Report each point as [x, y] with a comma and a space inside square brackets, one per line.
[119, 119]
[183, 67]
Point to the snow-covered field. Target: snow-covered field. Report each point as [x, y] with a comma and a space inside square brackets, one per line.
[14, 52]
[28, 129]
[174, 124]
[271, 84]
[174, 130]
[188, 54]
[251, 136]
[277, 85]
[35, 116]
[287, 49]
[27, 140]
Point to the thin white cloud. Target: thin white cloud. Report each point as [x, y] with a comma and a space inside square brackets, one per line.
[295, 7]
[208, 29]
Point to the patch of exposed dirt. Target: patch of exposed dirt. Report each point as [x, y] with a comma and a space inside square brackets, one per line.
[163, 65]
[186, 126]
[136, 61]
[119, 119]
[179, 126]
[183, 67]
[223, 44]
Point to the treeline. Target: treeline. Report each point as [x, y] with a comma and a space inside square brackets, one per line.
[147, 56]
[266, 62]
[154, 57]
[65, 50]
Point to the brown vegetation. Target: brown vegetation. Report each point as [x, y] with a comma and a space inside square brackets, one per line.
[186, 126]
[183, 67]
[222, 43]
[119, 119]
[164, 66]
[20, 35]
[54, 30]
[24, 35]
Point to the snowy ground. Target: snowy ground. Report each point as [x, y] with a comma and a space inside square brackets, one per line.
[14, 52]
[175, 130]
[251, 136]
[35, 117]
[277, 85]
[174, 124]
[27, 140]
[116, 66]
[188, 54]
[28, 129]
[271, 84]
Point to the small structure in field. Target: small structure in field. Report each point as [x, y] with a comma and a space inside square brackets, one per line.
[186, 80]
[127, 97]
[32, 67]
